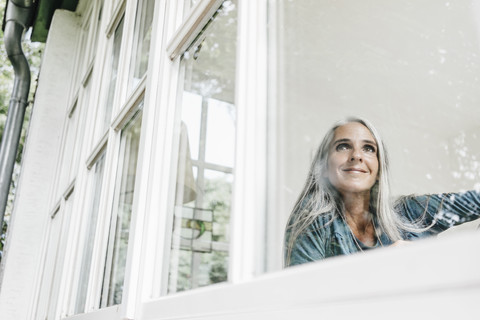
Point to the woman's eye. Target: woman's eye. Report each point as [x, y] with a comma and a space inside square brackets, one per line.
[369, 148]
[342, 146]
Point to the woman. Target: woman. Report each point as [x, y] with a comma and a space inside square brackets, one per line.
[345, 204]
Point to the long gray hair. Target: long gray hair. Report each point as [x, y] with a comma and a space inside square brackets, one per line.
[320, 197]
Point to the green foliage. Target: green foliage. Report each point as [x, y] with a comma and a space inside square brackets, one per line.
[213, 265]
[33, 53]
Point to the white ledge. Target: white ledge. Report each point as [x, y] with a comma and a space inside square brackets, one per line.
[433, 279]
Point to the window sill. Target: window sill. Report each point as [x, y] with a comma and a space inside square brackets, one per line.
[382, 284]
[103, 314]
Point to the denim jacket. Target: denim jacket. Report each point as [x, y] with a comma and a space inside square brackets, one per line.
[329, 236]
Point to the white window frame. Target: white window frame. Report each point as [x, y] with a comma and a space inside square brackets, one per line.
[249, 197]
[146, 262]
[154, 161]
[110, 141]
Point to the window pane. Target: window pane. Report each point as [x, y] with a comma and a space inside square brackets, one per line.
[112, 80]
[188, 6]
[60, 242]
[143, 34]
[98, 29]
[121, 215]
[220, 138]
[199, 250]
[412, 69]
[84, 105]
[91, 224]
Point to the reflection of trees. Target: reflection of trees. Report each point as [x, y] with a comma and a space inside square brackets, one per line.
[214, 265]
[210, 72]
[465, 159]
[215, 56]
[218, 193]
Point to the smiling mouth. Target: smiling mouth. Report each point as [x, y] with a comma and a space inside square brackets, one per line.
[355, 170]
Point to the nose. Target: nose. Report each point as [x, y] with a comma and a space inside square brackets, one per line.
[356, 155]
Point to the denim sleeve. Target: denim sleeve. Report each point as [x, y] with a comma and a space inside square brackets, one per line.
[308, 246]
[442, 211]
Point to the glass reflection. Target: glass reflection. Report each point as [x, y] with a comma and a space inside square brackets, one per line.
[143, 35]
[122, 213]
[416, 78]
[200, 237]
[115, 56]
[92, 219]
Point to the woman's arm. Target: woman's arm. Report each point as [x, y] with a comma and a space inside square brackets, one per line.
[441, 211]
[308, 246]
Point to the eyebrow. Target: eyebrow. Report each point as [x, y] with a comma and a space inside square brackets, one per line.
[348, 140]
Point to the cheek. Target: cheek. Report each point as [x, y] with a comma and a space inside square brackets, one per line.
[375, 167]
[330, 166]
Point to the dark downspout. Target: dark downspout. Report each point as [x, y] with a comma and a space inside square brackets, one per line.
[18, 18]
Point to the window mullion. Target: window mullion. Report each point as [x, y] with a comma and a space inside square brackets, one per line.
[247, 257]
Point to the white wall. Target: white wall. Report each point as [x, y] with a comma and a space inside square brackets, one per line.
[31, 212]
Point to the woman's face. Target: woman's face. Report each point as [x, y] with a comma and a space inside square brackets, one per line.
[352, 165]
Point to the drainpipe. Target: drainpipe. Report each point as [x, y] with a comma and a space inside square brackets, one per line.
[17, 20]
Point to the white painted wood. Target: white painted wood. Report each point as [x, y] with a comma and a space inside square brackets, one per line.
[434, 279]
[115, 18]
[247, 249]
[24, 255]
[103, 314]
[191, 26]
[97, 151]
[163, 95]
[136, 278]
[127, 110]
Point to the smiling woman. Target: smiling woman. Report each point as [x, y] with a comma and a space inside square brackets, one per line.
[344, 207]
[411, 68]
[352, 165]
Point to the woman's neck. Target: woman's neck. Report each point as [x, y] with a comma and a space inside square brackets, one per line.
[359, 218]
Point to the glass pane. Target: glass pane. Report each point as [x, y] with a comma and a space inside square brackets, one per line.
[121, 215]
[192, 117]
[82, 54]
[98, 29]
[201, 235]
[84, 103]
[412, 69]
[143, 35]
[91, 224]
[188, 6]
[68, 148]
[112, 80]
[60, 242]
[220, 138]
[199, 250]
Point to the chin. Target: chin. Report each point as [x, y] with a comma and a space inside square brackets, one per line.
[354, 189]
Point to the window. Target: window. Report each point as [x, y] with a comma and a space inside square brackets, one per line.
[105, 113]
[91, 227]
[118, 237]
[205, 156]
[194, 161]
[68, 146]
[411, 77]
[143, 34]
